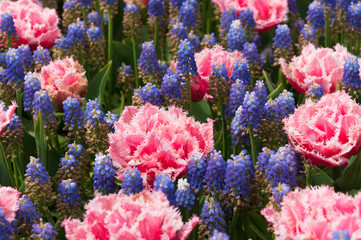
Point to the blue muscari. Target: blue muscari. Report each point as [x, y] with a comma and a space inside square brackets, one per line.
[343, 4]
[7, 24]
[216, 235]
[185, 60]
[179, 30]
[188, 13]
[215, 172]
[220, 72]
[247, 19]
[196, 171]
[250, 52]
[31, 86]
[69, 161]
[95, 33]
[176, 3]
[110, 3]
[228, 16]
[171, 87]
[293, 6]
[110, 119]
[93, 114]
[235, 99]
[249, 113]
[73, 114]
[77, 150]
[25, 55]
[315, 91]
[36, 171]
[316, 15]
[194, 39]
[69, 193]
[76, 33]
[282, 167]
[263, 159]
[351, 73]
[156, 8]
[94, 18]
[14, 73]
[353, 16]
[239, 175]
[341, 235]
[131, 8]
[42, 103]
[41, 56]
[147, 61]
[27, 213]
[308, 33]
[210, 39]
[2, 59]
[279, 191]
[164, 183]
[70, 4]
[185, 196]
[63, 43]
[6, 230]
[213, 216]
[240, 71]
[149, 93]
[281, 107]
[43, 231]
[14, 124]
[330, 3]
[236, 36]
[104, 174]
[85, 3]
[132, 182]
[282, 40]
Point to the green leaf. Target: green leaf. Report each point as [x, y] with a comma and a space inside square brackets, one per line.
[351, 179]
[97, 86]
[276, 92]
[319, 177]
[4, 175]
[122, 53]
[201, 111]
[40, 139]
[268, 82]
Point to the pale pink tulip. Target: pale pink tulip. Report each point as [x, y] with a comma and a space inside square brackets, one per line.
[34, 24]
[326, 132]
[9, 198]
[158, 141]
[6, 115]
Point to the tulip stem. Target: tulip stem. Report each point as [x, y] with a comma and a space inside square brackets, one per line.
[327, 29]
[308, 174]
[189, 95]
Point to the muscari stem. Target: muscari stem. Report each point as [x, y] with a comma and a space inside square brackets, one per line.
[134, 46]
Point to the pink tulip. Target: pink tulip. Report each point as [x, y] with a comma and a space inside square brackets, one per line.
[158, 141]
[266, 13]
[323, 66]
[327, 132]
[315, 213]
[9, 198]
[146, 215]
[204, 60]
[62, 79]
[34, 24]
[6, 116]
